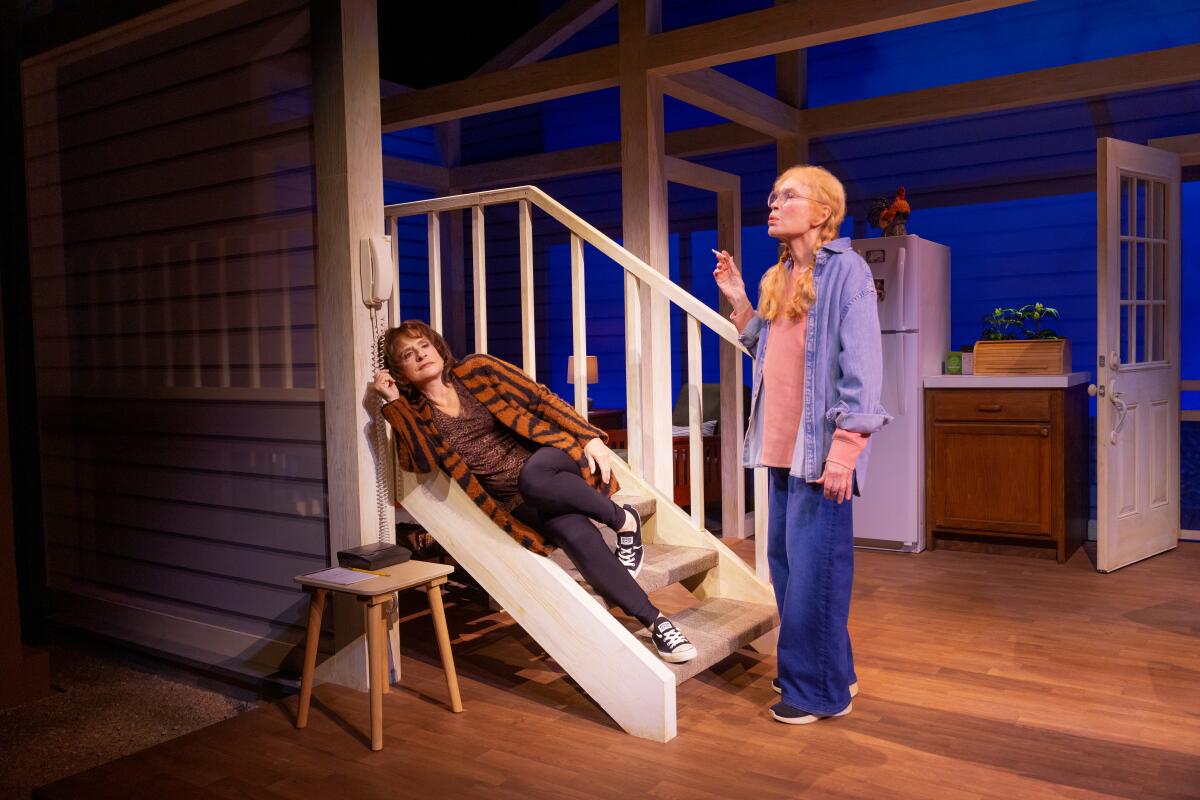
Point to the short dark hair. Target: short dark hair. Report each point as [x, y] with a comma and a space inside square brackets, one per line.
[414, 329]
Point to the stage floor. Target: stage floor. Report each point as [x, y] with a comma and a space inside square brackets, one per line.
[982, 676]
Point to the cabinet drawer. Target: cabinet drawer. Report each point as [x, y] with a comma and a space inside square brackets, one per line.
[1002, 405]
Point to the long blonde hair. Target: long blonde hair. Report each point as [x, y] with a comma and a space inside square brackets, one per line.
[772, 290]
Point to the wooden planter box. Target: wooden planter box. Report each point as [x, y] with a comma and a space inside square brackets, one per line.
[1023, 357]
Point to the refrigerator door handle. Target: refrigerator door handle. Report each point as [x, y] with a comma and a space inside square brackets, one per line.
[901, 258]
[901, 383]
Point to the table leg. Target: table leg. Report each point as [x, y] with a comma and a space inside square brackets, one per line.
[438, 612]
[385, 625]
[316, 607]
[376, 677]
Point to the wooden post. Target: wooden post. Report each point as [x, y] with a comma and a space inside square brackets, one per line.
[454, 265]
[791, 86]
[644, 227]
[349, 166]
[733, 413]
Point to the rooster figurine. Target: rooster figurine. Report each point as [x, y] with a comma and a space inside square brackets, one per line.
[890, 215]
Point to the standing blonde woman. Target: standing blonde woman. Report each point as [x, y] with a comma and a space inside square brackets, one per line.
[815, 405]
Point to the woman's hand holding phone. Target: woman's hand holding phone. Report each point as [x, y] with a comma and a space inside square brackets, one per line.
[385, 384]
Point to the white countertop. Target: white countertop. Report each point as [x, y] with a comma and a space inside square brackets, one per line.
[1006, 381]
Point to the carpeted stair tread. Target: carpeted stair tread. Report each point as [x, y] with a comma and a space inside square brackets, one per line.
[663, 565]
[718, 627]
[644, 504]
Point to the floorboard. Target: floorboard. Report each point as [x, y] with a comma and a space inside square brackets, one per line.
[982, 676]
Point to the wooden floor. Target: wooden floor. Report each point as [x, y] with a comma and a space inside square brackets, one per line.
[983, 676]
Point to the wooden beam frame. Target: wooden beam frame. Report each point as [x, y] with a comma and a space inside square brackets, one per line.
[496, 91]
[728, 188]
[1188, 148]
[1054, 84]
[601, 157]
[416, 173]
[735, 101]
[759, 33]
[541, 39]
[795, 27]
[1037, 87]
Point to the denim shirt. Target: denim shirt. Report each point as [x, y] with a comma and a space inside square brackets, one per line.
[843, 365]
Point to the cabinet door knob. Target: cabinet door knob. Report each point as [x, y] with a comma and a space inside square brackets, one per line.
[1045, 431]
[990, 407]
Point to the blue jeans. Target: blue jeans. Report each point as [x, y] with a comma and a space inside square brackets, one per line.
[810, 549]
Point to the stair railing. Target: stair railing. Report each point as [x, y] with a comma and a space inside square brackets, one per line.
[638, 274]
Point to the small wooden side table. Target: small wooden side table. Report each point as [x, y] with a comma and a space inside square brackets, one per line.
[373, 593]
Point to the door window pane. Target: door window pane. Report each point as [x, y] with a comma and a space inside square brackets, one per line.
[1126, 199]
[1124, 333]
[1139, 334]
[1139, 206]
[1139, 273]
[1125, 248]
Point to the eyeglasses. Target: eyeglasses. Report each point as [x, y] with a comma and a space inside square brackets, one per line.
[785, 197]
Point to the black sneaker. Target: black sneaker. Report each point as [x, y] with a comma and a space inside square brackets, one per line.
[791, 715]
[629, 545]
[779, 689]
[672, 645]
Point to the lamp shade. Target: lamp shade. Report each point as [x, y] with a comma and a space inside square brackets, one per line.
[593, 369]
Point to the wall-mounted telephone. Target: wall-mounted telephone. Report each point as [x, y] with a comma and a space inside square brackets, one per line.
[375, 269]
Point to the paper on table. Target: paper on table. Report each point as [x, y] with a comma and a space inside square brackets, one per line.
[339, 575]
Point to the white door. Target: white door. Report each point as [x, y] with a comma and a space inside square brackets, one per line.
[1137, 425]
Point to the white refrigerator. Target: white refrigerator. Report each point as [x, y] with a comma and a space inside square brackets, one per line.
[912, 279]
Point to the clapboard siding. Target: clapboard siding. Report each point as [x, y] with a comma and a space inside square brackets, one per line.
[222, 165]
[291, 533]
[171, 216]
[270, 458]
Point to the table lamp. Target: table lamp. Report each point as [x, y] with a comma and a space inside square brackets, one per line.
[593, 369]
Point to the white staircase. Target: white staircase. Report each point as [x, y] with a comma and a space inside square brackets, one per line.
[613, 662]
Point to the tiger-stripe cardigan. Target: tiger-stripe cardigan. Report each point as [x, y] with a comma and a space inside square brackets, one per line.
[517, 402]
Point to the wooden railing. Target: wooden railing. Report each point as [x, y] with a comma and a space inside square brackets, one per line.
[637, 274]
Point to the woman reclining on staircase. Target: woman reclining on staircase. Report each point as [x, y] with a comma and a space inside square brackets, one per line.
[537, 468]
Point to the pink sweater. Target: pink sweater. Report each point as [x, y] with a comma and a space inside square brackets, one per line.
[783, 393]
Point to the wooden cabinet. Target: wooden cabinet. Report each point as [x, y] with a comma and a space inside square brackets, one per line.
[1007, 465]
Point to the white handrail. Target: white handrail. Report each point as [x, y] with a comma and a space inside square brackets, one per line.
[590, 234]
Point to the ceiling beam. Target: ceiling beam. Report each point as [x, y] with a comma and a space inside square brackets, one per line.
[524, 169]
[1051, 85]
[496, 91]
[1188, 148]
[735, 101]
[774, 30]
[689, 173]
[416, 173]
[601, 157]
[1054, 84]
[541, 39]
[797, 26]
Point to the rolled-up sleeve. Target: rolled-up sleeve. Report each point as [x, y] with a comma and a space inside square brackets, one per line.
[748, 324]
[860, 361]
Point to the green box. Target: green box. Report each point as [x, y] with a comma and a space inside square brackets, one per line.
[954, 363]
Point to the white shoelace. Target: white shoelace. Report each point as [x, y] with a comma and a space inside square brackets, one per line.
[627, 556]
[673, 638]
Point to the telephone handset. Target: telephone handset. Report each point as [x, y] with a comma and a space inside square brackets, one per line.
[375, 269]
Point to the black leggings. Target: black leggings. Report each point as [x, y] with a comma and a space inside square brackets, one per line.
[560, 504]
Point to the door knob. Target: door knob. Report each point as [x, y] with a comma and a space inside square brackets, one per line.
[1094, 390]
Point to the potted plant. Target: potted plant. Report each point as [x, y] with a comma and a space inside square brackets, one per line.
[1017, 341]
